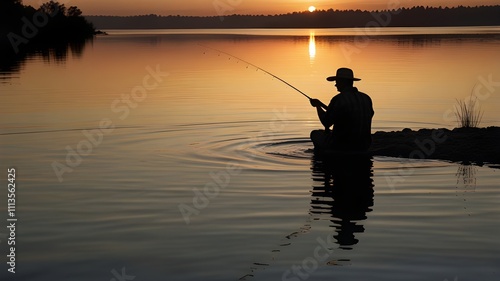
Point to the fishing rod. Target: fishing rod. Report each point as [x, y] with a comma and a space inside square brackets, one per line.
[259, 68]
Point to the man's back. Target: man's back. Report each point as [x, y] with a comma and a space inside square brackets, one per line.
[351, 113]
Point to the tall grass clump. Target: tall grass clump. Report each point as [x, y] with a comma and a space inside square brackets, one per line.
[468, 113]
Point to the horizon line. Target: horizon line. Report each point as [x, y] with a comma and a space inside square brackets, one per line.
[302, 11]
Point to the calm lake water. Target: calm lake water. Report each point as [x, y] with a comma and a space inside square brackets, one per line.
[146, 154]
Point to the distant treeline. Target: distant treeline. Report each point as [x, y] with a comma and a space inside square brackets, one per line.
[406, 17]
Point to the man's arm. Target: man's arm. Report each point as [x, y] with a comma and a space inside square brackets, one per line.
[317, 103]
[320, 108]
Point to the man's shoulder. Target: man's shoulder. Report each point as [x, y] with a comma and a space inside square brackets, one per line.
[355, 90]
[346, 93]
[337, 97]
[363, 94]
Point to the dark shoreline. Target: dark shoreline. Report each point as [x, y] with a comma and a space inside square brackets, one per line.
[228, 17]
[478, 146]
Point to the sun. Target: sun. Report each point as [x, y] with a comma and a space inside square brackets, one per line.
[312, 9]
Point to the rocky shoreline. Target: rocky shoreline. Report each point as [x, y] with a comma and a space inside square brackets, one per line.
[478, 146]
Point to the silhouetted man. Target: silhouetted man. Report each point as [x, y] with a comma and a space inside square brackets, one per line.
[350, 112]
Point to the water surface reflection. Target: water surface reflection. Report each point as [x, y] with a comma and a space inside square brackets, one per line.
[312, 46]
[12, 63]
[342, 193]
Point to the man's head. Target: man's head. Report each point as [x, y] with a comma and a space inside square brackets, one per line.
[344, 78]
[343, 84]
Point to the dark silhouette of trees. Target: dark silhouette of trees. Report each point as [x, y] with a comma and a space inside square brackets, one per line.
[65, 23]
[53, 8]
[73, 11]
[50, 31]
[11, 12]
[406, 17]
[21, 26]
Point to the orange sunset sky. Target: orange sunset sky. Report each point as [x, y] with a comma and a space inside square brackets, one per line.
[209, 7]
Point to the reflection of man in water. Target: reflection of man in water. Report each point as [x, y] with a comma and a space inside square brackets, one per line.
[344, 193]
[350, 112]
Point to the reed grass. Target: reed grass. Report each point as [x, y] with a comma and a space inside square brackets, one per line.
[468, 113]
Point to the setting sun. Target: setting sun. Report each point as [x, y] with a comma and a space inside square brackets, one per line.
[312, 9]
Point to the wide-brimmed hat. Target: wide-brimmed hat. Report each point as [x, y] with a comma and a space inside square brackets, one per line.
[343, 73]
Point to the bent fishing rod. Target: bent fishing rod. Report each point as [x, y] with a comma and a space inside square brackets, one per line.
[259, 68]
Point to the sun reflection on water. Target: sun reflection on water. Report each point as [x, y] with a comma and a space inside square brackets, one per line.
[312, 46]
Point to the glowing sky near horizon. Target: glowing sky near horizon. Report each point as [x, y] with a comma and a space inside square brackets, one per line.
[226, 7]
